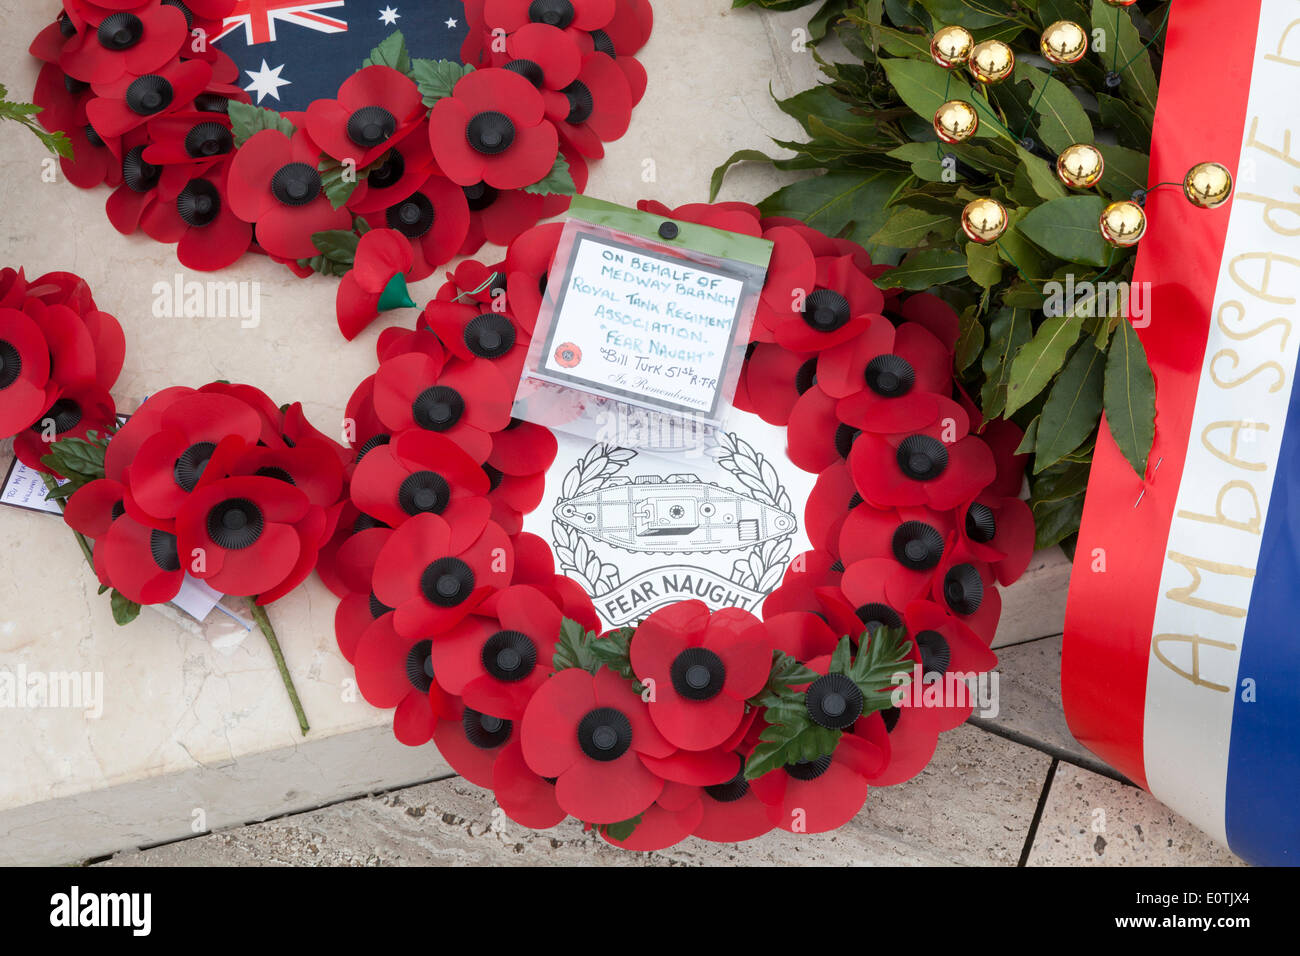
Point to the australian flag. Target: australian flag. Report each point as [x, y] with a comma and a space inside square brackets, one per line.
[290, 53]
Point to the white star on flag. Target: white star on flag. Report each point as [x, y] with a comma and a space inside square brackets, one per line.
[451, 24]
[266, 82]
[389, 16]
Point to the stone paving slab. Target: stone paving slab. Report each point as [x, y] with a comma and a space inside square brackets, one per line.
[972, 806]
[1089, 820]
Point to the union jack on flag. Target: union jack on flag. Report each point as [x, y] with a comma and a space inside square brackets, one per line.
[258, 17]
[290, 53]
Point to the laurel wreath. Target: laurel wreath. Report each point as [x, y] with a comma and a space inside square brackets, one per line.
[760, 570]
[572, 552]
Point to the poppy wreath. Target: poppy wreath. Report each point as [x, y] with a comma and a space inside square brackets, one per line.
[449, 154]
[713, 724]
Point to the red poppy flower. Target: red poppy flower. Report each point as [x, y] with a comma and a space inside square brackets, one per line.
[815, 436]
[927, 309]
[832, 498]
[396, 174]
[243, 533]
[523, 449]
[774, 379]
[546, 56]
[141, 562]
[131, 42]
[527, 267]
[510, 15]
[1003, 438]
[732, 811]
[357, 609]
[999, 532]
[812, 584]
[629, 28]
[513, 496]
[704, 667]
[526, 798]
[594, 109]
[420, 472]
[434, 219]
[198, 217]
[394, 670]
[189, 137]
[313, 467]
[170, 463]
[469, 333]
[818, 795]
[131, 101]
[81, 407]
[472, 741]
[497, 663]
[836, 309]
[670, 819]
[25, 361]
[920, 470]
[274, 185]
[61, 98]
[434, 573]
[377, 106]
[466, 401]
[589, 733]
[49, 43]
[493, 129]
[376, 282]
[801, 634]
[139, 185]
[729, 216]
[966, 588]
[915, 539]
[930, 705]
[887, 377]
[474, 281]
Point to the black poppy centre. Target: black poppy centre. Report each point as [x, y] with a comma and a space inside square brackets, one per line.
[235, 524]
[698, 674]
[447, 582]
[604, 734]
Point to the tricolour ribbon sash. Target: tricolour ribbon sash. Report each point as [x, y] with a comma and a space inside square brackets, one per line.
[1181, 662]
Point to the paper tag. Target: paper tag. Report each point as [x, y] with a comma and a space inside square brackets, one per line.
[634, 325]
[24, 488]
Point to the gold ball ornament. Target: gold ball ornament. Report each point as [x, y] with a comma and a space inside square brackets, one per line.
[1123, 223]
[991, 61]
[956, 121]
[1080, 166]
[984, 221]
[1208, 185]
[951, 46]
[1064, 42]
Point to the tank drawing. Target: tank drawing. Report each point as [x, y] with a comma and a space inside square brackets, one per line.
[679, 513]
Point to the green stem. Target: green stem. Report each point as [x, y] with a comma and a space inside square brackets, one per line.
[51, 485]
[1034, 105]
[264, 622]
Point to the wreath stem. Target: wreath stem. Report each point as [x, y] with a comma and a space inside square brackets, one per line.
[264, 622]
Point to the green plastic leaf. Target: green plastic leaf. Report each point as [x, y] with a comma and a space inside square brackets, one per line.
[785, 674]
[1069, 229]
[1008, 330]
[614, 651]
[1059, 118]
[908, 226]
[435, 79]
[879, 668]
[838, 202]
[392, 52]
[967, 13]
[1130, 397]
[1073, 406]
[739, 156]
[338, 180]
[124, 610]
[792, 737]
[247, 121]
[622, 830]
[925, 86]
[1040, 359]
[558, 182]
[1042, 177]
[983, 264]
[1126, 171]
[1137, 78]
[970, 339]
[926, 268]
[573, 649]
